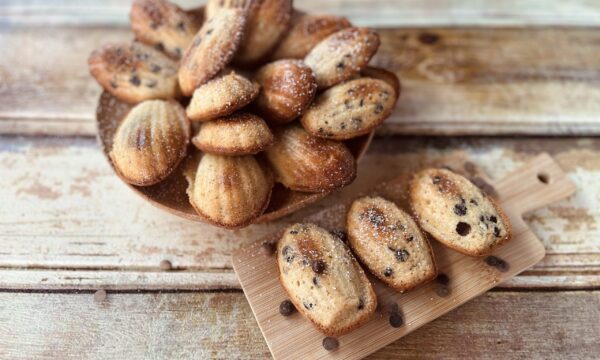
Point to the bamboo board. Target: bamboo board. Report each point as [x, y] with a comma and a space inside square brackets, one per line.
[537, 184]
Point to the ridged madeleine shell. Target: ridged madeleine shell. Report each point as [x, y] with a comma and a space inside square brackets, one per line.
[150, 142]
[229, 191]
[237, 134]
[307, 163]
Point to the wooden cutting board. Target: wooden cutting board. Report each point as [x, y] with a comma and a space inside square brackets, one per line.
[537, 184]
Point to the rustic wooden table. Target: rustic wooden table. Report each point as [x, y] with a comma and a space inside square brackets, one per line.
[526, 72]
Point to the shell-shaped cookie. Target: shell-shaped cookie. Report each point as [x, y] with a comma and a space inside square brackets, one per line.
[221, 96]
[342, 55]
[382, 74]
[268, 20]
[287, 88]
[389, 243]
[212, 6]
[237, 134]
[457, 213]
[150, 142]
[306, 31]
[211, 49]
[306, 163]
[134, 72]
[164, 25]
[229, 191]
[323, 280]
[350, 109]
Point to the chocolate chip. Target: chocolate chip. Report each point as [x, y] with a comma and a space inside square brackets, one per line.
[428, 38]
[316, 281]
[410, 238]
[436, 179]
[402, 255]
[340, 65]
[347, 104]
[396, 320]
[113, 84]
[209, 31]
[481, 218]
[493, 219]
[286, 308]
[388, 272]
[330, 343]
[267, 248]
[378, 108]
[155, 68]
[151, 84]
[159, 47]
[318, 266]
[293, 232]
[361, 304]
[442, 279]
[135, 80]
[496, 231]
[287, 254]
[308, 305]
[177, 52]
[460, 209]
[341, 234]
[361, 103]
[474, 202]
[165, 265]
[442, 290]
[100, 296]
[181, 26]
[342, 126]
[463, 229]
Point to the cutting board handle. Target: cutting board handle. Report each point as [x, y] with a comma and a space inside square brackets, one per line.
[538, 183]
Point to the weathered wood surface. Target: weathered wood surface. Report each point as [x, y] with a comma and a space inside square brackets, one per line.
[365, 13]
[456, 80]
[68, 222]
[497, 325]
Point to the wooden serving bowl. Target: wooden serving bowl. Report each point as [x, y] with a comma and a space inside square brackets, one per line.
[170, 194]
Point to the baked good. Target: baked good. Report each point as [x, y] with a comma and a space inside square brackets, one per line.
[134, 72]
[229, 191]
[212, 48]
[457, 213]
[306, 31]
[382, 74]
[350, 109]
[389, 243]
[288, 87]
[267, 22]
[306, 163]
[150, 142]
[342, 55]
[164, 25]
[236, 134]
[212, 6]
[221, 96]
[323, 280]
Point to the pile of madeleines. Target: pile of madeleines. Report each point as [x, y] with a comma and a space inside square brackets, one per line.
[233, 78]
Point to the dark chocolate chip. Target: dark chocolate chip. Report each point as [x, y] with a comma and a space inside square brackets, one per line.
[287, 254]
[308, 305]
[267, 248]
[493, 219]
[410, 238]
[135, 80]
[361, 103]
[181, 26]
[388, 272]
[481, 218]
[442, 279]
[428, 38]
[209, 31]
[318, 266]
[496, 231]
[436, 179]
[340, 65]
[442, 290]
[402, 255]
[463, 229]
[330, 343]
[155, 68]
[474, 202]
[341, 234]
[347, 104]
[159, 47]
[316, 281]
[293, 232]
[286, 308]
[361, 304]
[113, 84]
[378, 108]
[460, 209]
[396, 320]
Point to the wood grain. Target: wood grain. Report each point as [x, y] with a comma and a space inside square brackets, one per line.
[456, 80]
[361, 12]
[518, 193]
[497, 325]
[63, 210]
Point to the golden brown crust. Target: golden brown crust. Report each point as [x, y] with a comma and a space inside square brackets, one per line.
[306, 163]
[306, 31]
[268, 20]
[473, 209]
[212, 48]
[228, 191]
[350, 109]
[287, 89]
[382, 74]
[163, 25]
[237, 134]
[134, 72]
[148, 148]
[350, 300]
[221, 96]
[342, 55]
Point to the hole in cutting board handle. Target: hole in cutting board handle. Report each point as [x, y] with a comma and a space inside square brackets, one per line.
[543, 178]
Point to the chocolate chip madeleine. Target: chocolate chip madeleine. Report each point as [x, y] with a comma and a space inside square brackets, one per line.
[323, 280]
